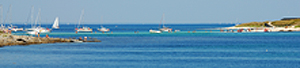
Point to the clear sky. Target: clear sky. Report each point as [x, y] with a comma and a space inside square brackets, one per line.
[150, 11]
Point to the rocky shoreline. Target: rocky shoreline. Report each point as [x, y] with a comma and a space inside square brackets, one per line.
[11, 40]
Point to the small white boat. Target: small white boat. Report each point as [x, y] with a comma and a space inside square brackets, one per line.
[14, 28]
[39, 30]
[56, 23]
[17, 29]
[154, 31]
[84, 29]
[103, 29]
[165, 29]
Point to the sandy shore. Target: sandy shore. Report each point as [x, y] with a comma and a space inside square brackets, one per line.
[262, 29]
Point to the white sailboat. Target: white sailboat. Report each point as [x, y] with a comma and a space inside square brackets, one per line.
[103, 29]
[82, 29]
[39, 29]
[31, 20]
[157, 31]
[56, 23]
[164, 29]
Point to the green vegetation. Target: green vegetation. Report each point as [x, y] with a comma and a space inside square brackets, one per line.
[280, 23]
[253, 24]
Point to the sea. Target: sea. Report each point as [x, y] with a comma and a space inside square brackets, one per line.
[132, 46]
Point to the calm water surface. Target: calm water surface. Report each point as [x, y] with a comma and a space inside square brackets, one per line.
[125, 49]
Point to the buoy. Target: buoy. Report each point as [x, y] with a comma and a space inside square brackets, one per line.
[188, 31]
[76, 32]
[266, 50]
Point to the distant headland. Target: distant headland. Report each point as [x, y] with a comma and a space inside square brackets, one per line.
[286, 21]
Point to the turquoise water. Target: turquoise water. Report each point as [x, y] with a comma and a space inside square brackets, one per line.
[126, 49]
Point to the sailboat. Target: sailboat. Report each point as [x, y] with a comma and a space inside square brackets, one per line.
[103, 29]
[82, 29]
[164, 29]
[160, 30]
[31, 20]
[11, 27]
[56, 23]
[39, 29]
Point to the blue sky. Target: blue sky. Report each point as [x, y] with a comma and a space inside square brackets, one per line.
[150, 11]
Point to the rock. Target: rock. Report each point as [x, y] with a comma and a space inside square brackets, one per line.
[9, 40]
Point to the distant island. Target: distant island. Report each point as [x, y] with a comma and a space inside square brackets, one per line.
[285, 22]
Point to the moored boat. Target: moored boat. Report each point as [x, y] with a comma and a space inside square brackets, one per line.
[82, 29]
[155, 31]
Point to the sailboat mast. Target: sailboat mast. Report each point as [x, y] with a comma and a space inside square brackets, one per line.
[10, 16]
[37, 18]
[164, 20]
[32, 10]
[40, 19]
[101, 20]
[82, 12]
[1, 15]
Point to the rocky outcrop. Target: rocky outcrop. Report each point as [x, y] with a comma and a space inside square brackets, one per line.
[9, 40]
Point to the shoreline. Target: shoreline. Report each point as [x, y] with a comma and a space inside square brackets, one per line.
[264, 29]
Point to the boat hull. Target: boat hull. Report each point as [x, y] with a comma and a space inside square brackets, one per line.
[84, 31]
[154, 31]
[103, 29]
[36, 32]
